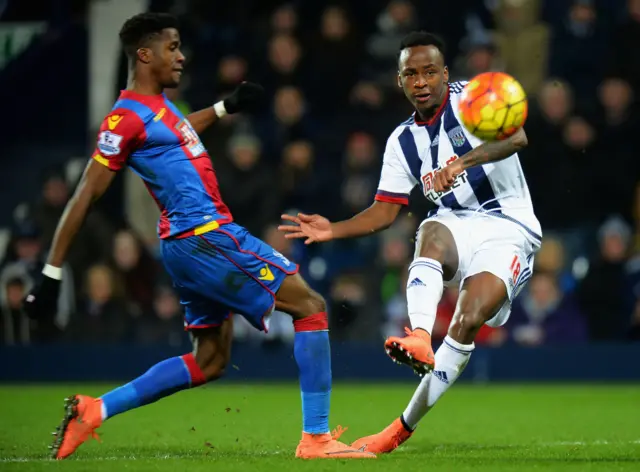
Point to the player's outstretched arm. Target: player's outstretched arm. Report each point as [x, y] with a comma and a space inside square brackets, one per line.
[316, 228]
[42, 301]
[487, 152]
[95, 180]
[495, 150]
[246, 97]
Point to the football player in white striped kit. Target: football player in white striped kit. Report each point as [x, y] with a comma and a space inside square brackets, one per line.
[481, 237]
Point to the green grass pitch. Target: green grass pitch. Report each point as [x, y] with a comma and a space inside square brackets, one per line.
[255, 427]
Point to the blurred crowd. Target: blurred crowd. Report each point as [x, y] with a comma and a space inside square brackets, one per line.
[329, 68]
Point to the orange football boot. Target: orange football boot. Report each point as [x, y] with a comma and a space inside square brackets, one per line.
[82, 416]
[385, 441]
[326, 446]
[413, 350]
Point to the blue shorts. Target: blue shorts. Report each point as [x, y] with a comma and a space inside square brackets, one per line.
[225, 271]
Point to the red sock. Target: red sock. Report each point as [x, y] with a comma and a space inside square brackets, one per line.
[317, 322]
[197, 377]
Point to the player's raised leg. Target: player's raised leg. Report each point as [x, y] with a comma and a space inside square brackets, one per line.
[436, 256]
[84, 414]
[313, 356]
[481, 297]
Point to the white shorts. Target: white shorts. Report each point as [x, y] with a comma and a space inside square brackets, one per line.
[488, 243]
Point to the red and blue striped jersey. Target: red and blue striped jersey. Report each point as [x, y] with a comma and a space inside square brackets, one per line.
[148, 134]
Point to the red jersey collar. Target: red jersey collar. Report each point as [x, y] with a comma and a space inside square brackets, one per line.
[437, 115]
[147, 99]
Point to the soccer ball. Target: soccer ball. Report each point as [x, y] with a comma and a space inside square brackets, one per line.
[493, 106]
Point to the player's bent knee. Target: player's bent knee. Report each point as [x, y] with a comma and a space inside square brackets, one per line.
[435, 241]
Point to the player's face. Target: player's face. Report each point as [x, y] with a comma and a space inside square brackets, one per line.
[168, 61]
[423, 78]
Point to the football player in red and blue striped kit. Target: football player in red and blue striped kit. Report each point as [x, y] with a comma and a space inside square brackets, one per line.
[202, 248]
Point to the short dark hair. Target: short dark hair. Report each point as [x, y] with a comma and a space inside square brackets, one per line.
[138, 30]
[422, 38]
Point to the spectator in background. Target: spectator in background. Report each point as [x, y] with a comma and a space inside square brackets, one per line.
[523, 41]
[626, 42]
[103, 315]
[393, 23]
[481, 56]
[247, 184]
[15, 326]
[284, 67]
[618, 125]
[232, 70]
[545, 126]
[136, 269]
[579, 40]
[25, 261]
[93, 239]
[334, 52]
[361, 173]
[299, 183]
[348, 303]
[166, 325]
[289, 122]
[603, 293]
[544, 315]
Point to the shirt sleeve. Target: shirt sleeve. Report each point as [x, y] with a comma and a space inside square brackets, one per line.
[120, 134]
[396, 182]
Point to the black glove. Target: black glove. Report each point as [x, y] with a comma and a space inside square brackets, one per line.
[42, 302]
[246, 97]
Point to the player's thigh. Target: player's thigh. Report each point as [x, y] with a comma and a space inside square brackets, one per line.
[296, 298]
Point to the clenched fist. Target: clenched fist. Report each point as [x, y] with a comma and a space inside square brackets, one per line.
[445, 177]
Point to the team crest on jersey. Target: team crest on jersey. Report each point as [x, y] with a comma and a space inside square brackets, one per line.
[457, 137]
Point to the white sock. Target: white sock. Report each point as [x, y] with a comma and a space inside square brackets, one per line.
[424, 291]
[451, 359]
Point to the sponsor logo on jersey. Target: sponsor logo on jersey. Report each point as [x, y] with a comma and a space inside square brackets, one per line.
[457, 137]
[190, 138]
[109, 143]
[160, 114]
[428, 182]
[113, 120]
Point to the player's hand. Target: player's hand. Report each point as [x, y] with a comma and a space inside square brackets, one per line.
[246, 97]
[42, 302]
[446, 176]
[314, 228]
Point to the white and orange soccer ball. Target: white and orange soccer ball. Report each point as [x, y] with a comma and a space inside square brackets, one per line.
[493, 106]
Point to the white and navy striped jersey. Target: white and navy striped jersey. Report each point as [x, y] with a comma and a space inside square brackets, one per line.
[416, 150]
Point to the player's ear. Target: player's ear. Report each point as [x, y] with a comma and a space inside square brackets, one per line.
[144, 55]
[445, 74]
[398, 80]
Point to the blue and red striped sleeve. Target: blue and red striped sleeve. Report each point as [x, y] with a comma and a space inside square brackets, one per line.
[391, 197]
[121, 132]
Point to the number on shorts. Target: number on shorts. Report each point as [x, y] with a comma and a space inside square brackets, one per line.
[515, 268]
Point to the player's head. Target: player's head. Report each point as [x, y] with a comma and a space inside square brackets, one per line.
[422, 71]
[152, 43]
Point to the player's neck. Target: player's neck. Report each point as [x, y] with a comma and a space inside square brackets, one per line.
[143, 86]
